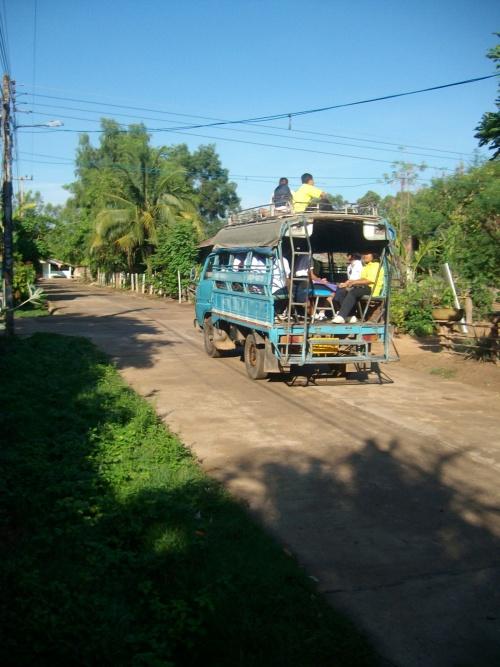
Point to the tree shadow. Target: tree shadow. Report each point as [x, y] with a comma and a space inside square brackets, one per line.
[117, 550]
[414, 558]
[129, 341]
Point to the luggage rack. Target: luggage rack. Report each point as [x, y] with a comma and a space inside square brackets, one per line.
[259, 214]
[267, 211]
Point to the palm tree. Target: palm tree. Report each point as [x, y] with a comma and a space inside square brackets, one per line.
[151, 195]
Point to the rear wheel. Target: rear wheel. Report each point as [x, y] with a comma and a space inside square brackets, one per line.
[254, 358]
[208, 338]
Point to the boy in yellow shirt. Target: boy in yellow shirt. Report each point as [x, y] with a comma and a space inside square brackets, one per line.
[306, 193]
[371, 282]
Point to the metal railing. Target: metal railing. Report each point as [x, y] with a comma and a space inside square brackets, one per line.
[265, 211]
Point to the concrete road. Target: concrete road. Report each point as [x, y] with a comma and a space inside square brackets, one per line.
[388, 495]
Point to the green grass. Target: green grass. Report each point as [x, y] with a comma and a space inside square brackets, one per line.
[446, 373]
[118, 550]
[32, 312]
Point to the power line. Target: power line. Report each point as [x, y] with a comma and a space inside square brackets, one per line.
[266, 145]
[186, 115]
[260, 177]
[258, 119]
[4, 43]
[35, 16]
[292, 114]
[271, 134]
[274, 127]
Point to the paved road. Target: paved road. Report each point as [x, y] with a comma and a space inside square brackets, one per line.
[389, 495]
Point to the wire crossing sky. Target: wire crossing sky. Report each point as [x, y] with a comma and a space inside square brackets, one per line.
[225, 66]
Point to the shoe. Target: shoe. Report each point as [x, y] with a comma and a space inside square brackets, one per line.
[320, 316]
[338, 319]
[282, 317]
[353, 319]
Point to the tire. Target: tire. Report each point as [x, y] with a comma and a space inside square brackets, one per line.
[254, 359]
[208, 339]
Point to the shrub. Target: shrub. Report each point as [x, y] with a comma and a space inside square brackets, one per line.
[24, 276]
[176, 251]
[411, 309]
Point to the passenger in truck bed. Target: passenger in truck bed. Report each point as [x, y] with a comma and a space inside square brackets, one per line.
[280, 285]
[350, 292]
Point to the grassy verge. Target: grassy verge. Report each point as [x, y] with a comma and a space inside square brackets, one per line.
[32, 312]
[118, 550]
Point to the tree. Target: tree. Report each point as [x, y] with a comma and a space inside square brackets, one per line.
[370, 199]
[215, 193]
[457, 217]
[177, 250]
[127, 191]
[34, 221]
[488, 130]
[149, 198]
[406, 175]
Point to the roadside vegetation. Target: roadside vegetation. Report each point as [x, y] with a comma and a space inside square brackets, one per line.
[138, 208]
[118, 550]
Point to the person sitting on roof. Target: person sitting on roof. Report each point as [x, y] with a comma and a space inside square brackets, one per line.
[350, 292]
[282, 195]
[306, 193]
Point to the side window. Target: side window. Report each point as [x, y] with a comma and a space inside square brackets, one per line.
[223, 261]
[258, 269]
[209, 267]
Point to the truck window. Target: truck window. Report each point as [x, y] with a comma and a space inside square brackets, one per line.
[209, 267]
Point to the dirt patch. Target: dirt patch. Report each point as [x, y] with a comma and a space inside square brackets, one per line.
[443, 365]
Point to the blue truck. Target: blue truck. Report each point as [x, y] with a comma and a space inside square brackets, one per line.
[237, 301]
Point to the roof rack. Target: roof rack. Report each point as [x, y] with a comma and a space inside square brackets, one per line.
[265, 211]
[259, 213]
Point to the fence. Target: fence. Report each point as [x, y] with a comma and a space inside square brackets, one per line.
[138, 282]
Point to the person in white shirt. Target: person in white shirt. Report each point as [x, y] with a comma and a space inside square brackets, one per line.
[354, 266]
[279, 285]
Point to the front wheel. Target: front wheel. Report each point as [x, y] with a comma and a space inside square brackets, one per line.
[208, 338]
[254, 358]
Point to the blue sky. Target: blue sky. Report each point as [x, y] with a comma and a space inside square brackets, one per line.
[235, 59]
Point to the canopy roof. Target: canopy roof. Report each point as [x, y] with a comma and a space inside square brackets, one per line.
[340, 232]
[264, 234]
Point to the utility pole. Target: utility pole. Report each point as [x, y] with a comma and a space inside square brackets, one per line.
[8, 259]
[21, 180]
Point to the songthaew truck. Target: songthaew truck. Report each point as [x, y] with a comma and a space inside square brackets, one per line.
[268, 285]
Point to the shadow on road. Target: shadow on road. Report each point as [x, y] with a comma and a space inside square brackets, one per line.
[417, 560]
[129, 341]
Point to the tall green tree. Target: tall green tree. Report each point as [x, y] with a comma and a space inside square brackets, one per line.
[370, 198]
[459, 215]
[34, 221]
[215, 194]
[488, 130]
[148, 197]
[404, 174]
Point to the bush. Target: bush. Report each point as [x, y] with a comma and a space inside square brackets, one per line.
[411, 309]
[24, 276]
[176, 251]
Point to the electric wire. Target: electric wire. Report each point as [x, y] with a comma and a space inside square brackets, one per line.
[33, 70]
[294, 114]
[274, 127]
[4, 53]
[279, 147]
[280, 136]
